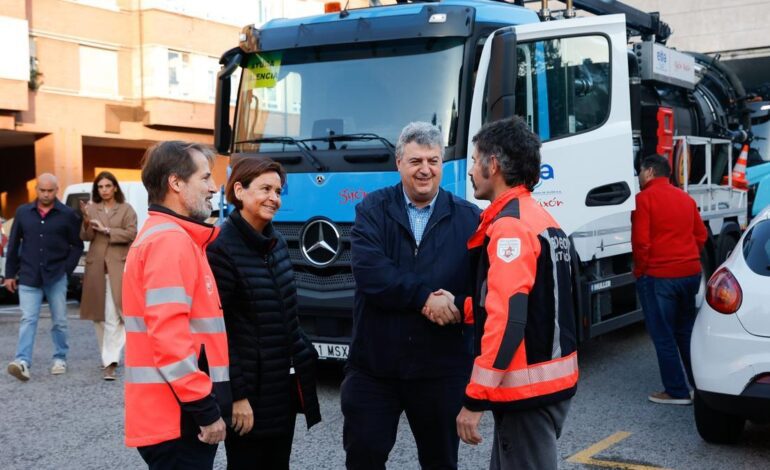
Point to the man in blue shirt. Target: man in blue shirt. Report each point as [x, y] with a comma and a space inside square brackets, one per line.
[410, 350]
[43, 248]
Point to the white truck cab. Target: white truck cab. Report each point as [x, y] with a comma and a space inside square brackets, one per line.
[571, 81]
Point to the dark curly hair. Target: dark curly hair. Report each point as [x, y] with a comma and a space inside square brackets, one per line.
[516, 148]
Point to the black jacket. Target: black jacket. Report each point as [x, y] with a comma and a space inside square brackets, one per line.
[255, 279]
[391, 337]
[40, 250]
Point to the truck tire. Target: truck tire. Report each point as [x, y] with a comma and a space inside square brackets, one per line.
[705, 275]
[725, 247]
[715, 426]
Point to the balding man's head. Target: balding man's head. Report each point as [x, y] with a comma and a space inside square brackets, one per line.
[47, 186]
[48, 178]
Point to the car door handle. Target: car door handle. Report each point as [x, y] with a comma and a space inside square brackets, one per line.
[608, 195]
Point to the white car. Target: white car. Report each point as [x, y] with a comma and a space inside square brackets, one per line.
[730, 346]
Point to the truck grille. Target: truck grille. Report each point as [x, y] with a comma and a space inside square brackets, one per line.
[336, 276]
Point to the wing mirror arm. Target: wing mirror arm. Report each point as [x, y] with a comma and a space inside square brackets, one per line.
[223, 131]
[501, 78]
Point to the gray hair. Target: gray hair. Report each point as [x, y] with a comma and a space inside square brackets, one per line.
[421, 133]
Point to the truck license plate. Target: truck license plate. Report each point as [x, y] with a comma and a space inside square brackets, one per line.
[331, 351]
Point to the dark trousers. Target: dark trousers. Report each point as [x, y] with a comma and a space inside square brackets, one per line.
[372, 407]
[184, 453]
[268, 453]
[526, 440]
[669, 314]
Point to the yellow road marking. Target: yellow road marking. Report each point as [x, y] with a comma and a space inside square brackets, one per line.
[586, 456]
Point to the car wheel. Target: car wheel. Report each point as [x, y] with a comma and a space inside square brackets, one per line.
[715, 426]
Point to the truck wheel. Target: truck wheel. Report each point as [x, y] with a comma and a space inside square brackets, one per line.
[715, 426]
[705, 274]
[725, 247]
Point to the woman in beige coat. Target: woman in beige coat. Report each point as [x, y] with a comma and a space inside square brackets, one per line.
[109, 223]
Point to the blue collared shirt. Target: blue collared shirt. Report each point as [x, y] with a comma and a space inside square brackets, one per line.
[419, 217]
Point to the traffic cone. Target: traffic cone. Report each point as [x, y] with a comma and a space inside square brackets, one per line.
[739, 170]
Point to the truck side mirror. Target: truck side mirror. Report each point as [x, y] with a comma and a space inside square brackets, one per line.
[501, 79]
[222, 129]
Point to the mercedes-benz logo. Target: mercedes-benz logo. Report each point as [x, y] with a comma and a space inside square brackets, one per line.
[319, 179]
[320, 242]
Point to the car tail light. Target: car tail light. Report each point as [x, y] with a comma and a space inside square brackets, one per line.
[723, 293]
[763, 379]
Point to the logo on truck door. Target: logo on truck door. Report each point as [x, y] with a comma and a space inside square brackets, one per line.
[546, 173]
[320, 242]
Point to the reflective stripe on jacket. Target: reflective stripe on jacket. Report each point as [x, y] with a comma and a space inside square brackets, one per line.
[176, 344]
[523, 308]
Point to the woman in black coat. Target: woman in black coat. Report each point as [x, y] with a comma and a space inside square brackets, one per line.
[272, 363]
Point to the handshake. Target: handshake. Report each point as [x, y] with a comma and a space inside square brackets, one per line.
[440, 308]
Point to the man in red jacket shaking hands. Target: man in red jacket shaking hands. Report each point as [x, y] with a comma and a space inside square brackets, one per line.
[667, 236]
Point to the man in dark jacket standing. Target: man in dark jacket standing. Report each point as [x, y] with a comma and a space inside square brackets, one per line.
[44, 247]
[667, 236]
[409, 351]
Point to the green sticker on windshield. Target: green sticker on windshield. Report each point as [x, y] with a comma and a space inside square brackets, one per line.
[265, 68]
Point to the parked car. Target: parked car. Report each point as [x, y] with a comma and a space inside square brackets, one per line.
[731, 340]
[5, 231]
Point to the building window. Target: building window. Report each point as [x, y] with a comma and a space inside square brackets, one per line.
[98, 72]
[207, 67]
[212, 84]
[15, 60]
[178, 74]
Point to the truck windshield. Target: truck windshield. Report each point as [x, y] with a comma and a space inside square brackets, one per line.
[367, 91]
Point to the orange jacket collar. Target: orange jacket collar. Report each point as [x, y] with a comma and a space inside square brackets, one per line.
[201, 233]
[489, 214]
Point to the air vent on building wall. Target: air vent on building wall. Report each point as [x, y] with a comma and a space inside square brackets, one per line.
[35, 75]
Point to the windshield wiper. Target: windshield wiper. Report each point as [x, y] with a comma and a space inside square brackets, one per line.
[354, 137]
[300, 144]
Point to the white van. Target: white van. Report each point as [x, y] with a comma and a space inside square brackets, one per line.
[136, 195]
[134, 192]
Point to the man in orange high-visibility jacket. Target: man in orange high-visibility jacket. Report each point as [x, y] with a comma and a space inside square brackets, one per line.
[177, 371]
[525, 369]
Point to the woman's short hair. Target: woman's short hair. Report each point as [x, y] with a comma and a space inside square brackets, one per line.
[245, 170]
[96, 197]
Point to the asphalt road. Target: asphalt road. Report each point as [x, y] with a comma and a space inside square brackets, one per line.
[75, 421]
